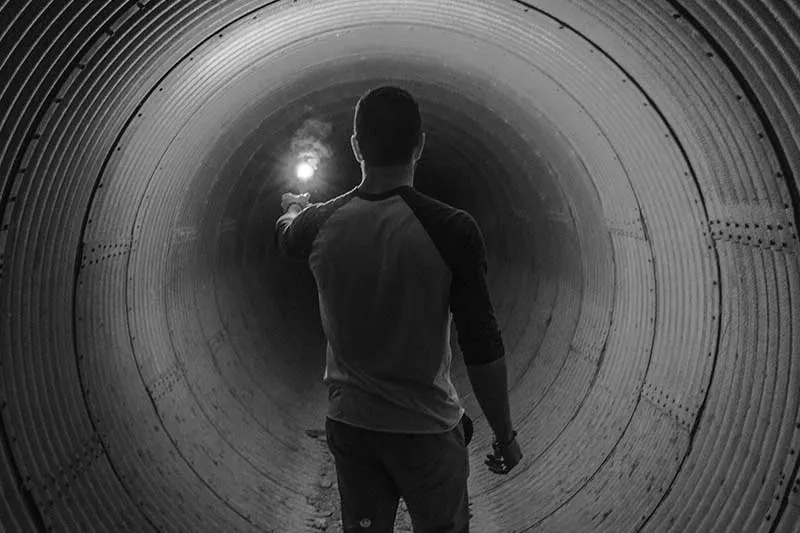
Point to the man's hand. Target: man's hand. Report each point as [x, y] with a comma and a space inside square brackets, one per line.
[505, 457]
[300, 200]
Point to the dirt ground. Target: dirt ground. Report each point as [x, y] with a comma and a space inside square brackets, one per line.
[325, 501]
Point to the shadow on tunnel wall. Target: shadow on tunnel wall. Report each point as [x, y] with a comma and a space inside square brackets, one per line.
[633, 166]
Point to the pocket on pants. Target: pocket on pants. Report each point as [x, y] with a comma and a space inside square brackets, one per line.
[468, 428]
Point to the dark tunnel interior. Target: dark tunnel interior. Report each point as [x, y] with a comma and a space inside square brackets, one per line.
[633, 167]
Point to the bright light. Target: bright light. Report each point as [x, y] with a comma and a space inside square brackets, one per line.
[305, 171]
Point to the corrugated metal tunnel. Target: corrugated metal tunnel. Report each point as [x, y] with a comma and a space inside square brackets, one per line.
[633, 166]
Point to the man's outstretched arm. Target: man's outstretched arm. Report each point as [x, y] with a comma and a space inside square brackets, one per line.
[288, 240]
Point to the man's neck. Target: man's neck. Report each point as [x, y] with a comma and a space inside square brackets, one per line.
[380, 179]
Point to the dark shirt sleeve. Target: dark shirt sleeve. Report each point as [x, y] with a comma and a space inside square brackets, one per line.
[478, 333]
[294, 235]
[457, 236]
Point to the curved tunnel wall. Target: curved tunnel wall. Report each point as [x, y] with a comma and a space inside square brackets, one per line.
[634, 170]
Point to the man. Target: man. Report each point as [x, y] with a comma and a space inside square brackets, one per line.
[392, 267]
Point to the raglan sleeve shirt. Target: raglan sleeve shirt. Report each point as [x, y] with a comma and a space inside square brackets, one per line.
[462, 245]
[390, 269]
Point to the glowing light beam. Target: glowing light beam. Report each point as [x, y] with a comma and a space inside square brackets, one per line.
[304, 171]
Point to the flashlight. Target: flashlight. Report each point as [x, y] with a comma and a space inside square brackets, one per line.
[304, 171]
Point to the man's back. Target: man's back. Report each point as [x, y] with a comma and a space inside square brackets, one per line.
[389, 268]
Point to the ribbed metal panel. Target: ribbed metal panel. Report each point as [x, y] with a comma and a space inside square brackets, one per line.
[761, 43]
[640, 212]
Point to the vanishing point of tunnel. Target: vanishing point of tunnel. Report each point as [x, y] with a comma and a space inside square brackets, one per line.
[633, 166]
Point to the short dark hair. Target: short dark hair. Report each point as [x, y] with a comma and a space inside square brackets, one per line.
[388, 126]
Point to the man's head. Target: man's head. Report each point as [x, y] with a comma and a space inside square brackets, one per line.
[388, 128]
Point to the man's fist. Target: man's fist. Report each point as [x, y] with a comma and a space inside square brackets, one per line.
[300, 199]
[505, 457]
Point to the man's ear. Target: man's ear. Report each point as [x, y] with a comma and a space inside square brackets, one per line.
[419, 149]
[356, 149]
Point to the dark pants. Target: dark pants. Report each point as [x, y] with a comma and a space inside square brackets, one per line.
[375, 469]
